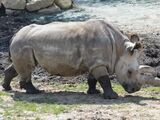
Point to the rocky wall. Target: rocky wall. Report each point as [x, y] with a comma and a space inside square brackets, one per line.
[42, 6]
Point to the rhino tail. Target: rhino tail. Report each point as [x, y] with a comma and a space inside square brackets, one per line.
[9, 56]
[34, 58]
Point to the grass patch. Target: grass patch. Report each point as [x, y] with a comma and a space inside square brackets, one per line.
[20, 105]
[1, 77]
[41, 107]
[2, 93]
[117, 88]
[55, 108]
[82, 87]
[77, 87]
[152, 89]
[21, 108]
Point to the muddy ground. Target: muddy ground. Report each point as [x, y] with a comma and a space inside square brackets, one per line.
[141, 105]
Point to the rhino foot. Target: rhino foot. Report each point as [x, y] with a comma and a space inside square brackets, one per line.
[93, 91]
[6, 87]
[110, 95]
[30, 89]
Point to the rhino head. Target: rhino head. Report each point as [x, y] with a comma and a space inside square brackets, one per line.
[129, 73]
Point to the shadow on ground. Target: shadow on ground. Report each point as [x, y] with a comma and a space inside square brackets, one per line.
[71, 98]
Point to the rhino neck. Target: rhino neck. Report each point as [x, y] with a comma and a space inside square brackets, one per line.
[119, 51]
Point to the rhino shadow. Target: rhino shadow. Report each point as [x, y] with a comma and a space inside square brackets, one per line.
[71, 98]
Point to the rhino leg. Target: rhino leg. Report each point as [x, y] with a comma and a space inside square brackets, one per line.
[9, 73]
[92, 85]
[26, 83]
[107, 88]
[101, 74]
[25, 63]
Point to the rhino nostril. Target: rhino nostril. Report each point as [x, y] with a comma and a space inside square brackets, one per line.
[133, 89]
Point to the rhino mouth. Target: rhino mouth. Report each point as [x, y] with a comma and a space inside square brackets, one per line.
[131, 88]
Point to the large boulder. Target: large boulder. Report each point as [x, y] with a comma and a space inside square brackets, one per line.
[14, 4]
[64, 4]
[50, 10]
[35, 5]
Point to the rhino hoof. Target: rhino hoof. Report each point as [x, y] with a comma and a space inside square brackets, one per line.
[28, 86]
[111, 95]
[93, 91]
[6, 87]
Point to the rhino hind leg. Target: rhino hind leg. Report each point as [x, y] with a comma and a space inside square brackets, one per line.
[92, 85]
[9, 73]
[29, 87]
[25, 64]
[26, 83]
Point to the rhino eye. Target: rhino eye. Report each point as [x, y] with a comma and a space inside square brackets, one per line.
[129, 73]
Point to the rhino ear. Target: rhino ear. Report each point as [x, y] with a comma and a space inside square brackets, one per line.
[136, 46]
[134, 38]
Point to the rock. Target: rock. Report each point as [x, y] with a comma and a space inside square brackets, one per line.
[2, 10]
[50, 10]
[14, 4]
[64, 4]
[36, 5]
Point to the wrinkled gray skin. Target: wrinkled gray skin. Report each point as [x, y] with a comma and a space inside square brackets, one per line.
[74, 48]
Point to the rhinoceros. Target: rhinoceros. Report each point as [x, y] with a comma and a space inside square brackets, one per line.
[74, 48]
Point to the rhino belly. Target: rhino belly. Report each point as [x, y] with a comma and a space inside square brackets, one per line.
[61, 64]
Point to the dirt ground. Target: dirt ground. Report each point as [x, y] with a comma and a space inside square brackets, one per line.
[143, 105]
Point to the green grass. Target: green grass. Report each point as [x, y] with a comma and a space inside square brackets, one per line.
[2, 93]
[77, 87]
[19, 108]
[82, 87]
[41, 107]
[118, 88]
[152, 89]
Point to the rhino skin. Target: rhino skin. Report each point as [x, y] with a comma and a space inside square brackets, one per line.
[73, 48]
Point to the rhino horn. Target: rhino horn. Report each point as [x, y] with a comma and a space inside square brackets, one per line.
[146, 69]
[148, 75]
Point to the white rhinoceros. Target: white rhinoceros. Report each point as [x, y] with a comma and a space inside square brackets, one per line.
[72, 48]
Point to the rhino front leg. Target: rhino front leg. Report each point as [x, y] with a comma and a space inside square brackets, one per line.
[9, 73]
[26, 83]
[101, 74]
[92, 85]
[107, 88]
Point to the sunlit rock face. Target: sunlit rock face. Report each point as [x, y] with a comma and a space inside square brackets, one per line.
[50, 10]
[64, 4]
[35, 5]
[16, 4]
[44, 6]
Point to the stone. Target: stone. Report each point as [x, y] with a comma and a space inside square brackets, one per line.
[50, 10]
[64, 4]
[36, 5]
[14, 4]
